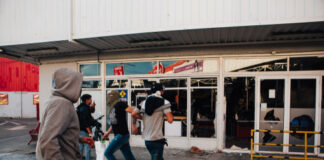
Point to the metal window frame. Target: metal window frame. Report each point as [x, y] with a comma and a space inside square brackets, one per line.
[317, 108]
[258, 104]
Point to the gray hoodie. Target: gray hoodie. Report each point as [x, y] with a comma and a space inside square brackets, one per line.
[59, 131]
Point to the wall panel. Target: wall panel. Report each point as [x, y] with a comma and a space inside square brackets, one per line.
[44, 20]
[33, 21]
[138, 16]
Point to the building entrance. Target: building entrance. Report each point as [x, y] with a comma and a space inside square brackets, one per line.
[239, 93]
[272, 103]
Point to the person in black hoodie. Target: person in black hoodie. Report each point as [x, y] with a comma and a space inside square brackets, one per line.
[117, 113]
[84, 111]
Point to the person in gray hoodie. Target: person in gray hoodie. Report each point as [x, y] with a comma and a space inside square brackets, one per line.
[59, 131]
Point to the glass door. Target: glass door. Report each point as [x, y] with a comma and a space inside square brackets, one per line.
[302, 111]
[271, 111]
[285, 103]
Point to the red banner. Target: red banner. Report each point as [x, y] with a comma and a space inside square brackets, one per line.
[119, 70]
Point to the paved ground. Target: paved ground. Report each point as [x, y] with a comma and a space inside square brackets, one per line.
[14, 137]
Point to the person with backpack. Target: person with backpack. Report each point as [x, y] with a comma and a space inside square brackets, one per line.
[84, 111]
[153, 110]
[117, 113]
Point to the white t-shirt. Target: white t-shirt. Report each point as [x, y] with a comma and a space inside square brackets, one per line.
[153, 124]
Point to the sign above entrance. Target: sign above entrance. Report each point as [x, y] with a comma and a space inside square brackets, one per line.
[163, 67]
[196, 66]
[190, 66]
[119, 70]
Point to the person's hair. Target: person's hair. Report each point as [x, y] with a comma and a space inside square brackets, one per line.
[156, 87]
[85, 97]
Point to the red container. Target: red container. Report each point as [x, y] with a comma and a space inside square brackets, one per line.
[18, 76]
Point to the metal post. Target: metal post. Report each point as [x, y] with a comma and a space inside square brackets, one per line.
[37, 111]
[305, 145]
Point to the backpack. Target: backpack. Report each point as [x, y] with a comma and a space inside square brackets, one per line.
[302, 123]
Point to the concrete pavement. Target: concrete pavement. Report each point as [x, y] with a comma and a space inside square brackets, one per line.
[14, 138]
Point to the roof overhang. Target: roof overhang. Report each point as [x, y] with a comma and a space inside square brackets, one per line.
[301, 33]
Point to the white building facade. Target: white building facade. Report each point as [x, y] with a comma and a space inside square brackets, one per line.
[228, 65]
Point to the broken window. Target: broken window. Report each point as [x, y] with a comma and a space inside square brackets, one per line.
[255, 64]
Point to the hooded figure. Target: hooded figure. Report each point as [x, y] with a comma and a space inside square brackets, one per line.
[112, 100]
[59, 131]
[118, 124]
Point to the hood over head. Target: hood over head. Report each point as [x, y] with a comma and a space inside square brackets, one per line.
[112, 98]
[67, 83]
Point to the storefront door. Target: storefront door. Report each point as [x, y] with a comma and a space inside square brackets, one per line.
[254, 102]
[271, 100]
[240, 111]
[304, 112]
[287, 103]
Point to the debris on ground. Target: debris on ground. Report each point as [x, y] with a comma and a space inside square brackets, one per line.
[196, 150]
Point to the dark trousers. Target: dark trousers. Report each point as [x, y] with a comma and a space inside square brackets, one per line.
[119, 142]
[155, 149]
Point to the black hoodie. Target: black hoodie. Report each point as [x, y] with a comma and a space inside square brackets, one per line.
[84, 114]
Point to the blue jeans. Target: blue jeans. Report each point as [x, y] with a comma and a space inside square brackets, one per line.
[155, 149]
[119, 142]
[85, 146]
